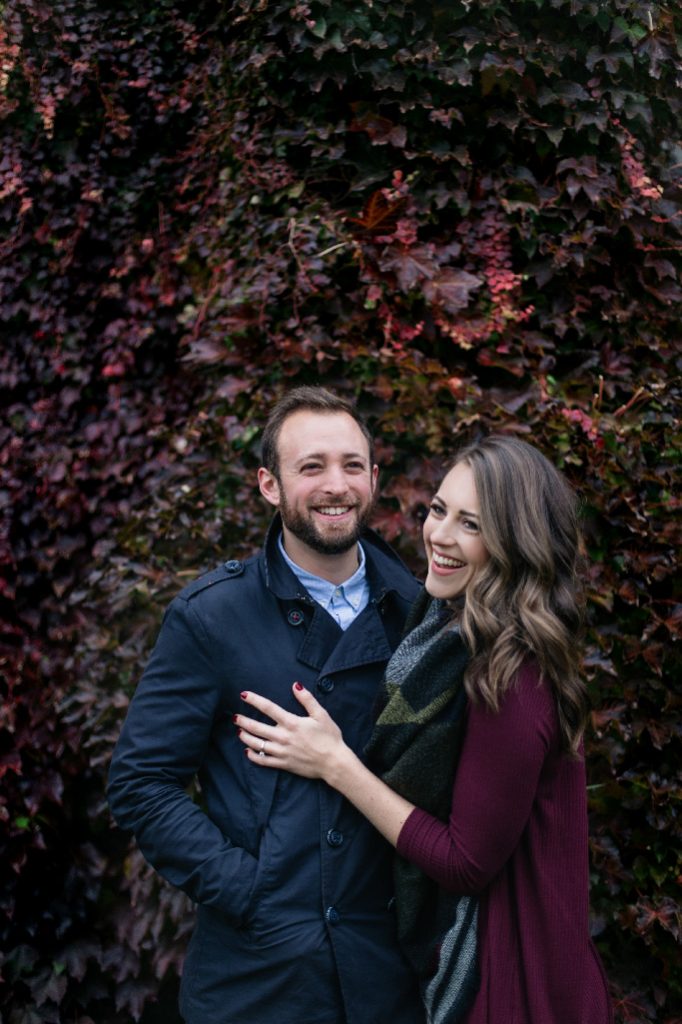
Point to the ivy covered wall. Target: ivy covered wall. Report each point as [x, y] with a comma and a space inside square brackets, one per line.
[465, 215]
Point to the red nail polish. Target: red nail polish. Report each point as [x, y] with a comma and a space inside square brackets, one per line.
[234, 718]
[298, 686]
[243, 695]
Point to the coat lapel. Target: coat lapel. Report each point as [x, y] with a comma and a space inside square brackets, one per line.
[363, 643]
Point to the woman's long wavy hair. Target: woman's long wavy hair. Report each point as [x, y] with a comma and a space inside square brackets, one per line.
[527, 600]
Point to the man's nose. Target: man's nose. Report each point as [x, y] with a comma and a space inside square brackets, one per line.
[335, 480]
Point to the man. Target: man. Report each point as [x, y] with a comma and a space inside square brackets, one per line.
[293, 886]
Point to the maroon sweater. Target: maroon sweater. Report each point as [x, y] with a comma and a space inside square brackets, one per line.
[517, 835]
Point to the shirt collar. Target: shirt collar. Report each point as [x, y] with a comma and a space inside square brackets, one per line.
[322, 590]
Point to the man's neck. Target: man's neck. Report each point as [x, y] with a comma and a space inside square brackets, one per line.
[334, 568]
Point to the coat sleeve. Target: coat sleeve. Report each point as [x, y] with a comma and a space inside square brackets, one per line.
[160, 750]
[496, 782]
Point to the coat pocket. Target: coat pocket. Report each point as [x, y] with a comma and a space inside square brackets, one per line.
[262, 882]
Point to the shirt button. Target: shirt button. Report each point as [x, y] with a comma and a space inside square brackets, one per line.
[332, 915]
[295, 618]
[325, 685]
[334, 837]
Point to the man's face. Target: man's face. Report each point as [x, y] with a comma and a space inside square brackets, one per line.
[325, 487]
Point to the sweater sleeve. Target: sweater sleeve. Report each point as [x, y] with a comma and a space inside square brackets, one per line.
[497, 776]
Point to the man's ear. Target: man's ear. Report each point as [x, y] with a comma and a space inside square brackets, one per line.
[268, 486]
[375, 478]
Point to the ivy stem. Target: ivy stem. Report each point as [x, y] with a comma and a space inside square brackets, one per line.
[332, 248]
[640, 393]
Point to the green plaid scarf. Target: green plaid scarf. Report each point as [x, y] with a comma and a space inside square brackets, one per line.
[414, 748]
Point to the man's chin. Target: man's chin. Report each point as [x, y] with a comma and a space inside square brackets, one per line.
[335, 545]
[336, 549]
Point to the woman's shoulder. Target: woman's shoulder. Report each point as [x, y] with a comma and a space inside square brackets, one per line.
[526, 718]
[529, 676]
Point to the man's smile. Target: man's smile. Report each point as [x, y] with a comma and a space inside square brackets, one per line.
[333, 510]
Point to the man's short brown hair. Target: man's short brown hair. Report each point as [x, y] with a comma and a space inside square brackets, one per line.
[309, 398]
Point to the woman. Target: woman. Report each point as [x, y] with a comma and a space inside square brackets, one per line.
[502, 936]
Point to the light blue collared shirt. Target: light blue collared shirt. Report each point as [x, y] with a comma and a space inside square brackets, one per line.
[343, 601]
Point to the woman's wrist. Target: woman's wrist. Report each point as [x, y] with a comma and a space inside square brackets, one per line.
[339, 767]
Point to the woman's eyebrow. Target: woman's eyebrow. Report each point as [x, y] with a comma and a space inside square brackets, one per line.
[461, 512]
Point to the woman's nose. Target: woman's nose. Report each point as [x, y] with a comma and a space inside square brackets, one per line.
[443, 533]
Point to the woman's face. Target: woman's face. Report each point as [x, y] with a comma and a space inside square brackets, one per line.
[452, 538]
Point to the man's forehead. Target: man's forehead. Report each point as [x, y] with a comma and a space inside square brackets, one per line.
[307, 433]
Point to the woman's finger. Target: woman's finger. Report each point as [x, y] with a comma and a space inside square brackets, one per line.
[261, 755]
[267, 707]
[305, 697]
[260, 730]
[257, 744]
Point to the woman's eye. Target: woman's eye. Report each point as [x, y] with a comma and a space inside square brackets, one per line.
[470, 524]
[436, 509]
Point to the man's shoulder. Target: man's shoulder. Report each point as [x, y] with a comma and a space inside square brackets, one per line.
[232, 574]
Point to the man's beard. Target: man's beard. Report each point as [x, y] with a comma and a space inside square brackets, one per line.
[305, 530]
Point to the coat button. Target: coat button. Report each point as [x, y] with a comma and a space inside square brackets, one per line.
[334, 837]
[295, 618]
[233, 567]
[332, 915]
[325, 685]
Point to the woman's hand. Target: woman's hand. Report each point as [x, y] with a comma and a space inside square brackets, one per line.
[310, 745]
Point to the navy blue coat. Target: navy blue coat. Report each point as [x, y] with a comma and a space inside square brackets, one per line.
[293, 886]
